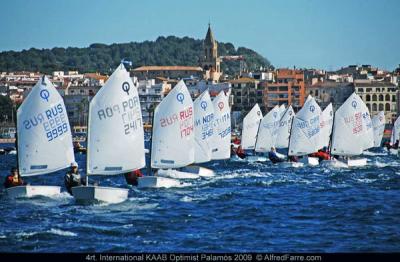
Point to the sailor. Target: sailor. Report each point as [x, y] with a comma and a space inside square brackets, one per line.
[322, 154]
[240, 152]
[14, 179]
[132, 177]
[73, 178]
[273, 156]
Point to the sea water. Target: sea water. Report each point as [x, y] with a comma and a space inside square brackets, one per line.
[245, 207]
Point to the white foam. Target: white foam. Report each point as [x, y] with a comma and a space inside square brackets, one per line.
[51, 231]
[62, 232]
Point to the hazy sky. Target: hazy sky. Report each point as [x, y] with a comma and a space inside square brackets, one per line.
[305, 33]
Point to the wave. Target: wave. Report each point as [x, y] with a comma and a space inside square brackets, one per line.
[53, 231]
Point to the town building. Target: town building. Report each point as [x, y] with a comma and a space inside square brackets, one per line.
[246, 93]
[330, 92]
[288, 88]
[174, 72]
[150, 95]
[379, 96]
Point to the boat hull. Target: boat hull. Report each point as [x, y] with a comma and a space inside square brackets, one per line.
[157, 182]
[198, 170]
[172, 173]
[93, 194]
[311, 161]
[32, 191]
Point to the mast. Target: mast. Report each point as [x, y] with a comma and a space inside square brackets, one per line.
[87, 145]
[149, 173]
[290, 135]
[14, 111]
[331, 136]
[258, 130]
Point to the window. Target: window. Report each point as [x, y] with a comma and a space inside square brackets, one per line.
[373, 99]
[374, 107]
[369, 106]
[393, 98]
[283, 88]
[380, 97]
[360, 90]
[380, 107]
[387, 107]
[316, 92]
[387, 97]
[368, 98]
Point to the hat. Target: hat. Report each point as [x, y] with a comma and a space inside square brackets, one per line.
[74, 164]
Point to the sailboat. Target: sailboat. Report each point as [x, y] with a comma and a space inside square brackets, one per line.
[351, 134]
[326, 123]
[172, 144]
[305, 132]
[203, 131]
[395, 135]
[283, 131]
[115, 143]
[268, 130]
[251, 124]
[221, 141]
[378, 122]
[44, 138]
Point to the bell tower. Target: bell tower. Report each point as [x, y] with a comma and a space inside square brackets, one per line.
[210, 61]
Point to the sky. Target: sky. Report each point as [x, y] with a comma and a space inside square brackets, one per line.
[303, 33]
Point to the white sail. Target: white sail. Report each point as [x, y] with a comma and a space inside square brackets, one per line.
[268, 130]
[350, 135]
[395, 131]
[283, 132]
[326, 123]
[44, 133]
[378, 122]
[369, 128]
[173, 130]
[251, 122]
[203, 127]
[305, 131]
[282, 110]
[222, 127]
[116, 137]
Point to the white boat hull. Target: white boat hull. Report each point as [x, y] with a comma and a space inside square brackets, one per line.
[251, 159]
[198, 170]
[311, 161]
[358, 162]
[92, 194]
[32, 191]
[156, 182]
[172, 173]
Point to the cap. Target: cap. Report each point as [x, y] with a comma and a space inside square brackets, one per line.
[74, 164]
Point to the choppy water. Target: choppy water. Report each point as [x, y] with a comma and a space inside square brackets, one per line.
[246, 207]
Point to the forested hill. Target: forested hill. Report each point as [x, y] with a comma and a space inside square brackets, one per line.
[103, 58]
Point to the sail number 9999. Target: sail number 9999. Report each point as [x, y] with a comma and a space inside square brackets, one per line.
[56, 132]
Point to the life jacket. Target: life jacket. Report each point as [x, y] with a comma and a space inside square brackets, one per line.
[138, 173]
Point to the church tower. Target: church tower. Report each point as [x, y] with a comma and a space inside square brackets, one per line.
[210, 61]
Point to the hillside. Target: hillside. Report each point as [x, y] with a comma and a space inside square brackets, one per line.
[103, 58]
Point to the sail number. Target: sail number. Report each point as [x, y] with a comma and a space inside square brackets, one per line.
[56, 132]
